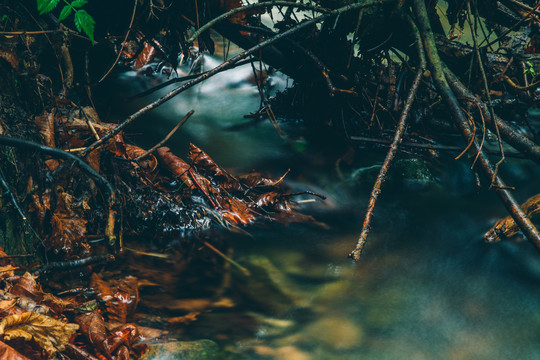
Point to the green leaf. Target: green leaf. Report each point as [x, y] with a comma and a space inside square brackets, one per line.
[44, 6]
[64, 13]
[85, 22]
[79, 3]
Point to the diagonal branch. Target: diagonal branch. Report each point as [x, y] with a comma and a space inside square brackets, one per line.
[398, 136]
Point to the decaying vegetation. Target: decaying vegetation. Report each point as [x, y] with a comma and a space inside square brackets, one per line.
[75, 190]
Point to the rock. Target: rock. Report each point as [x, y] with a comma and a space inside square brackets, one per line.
[272, 327]
[290, 353]
[336, 332]
[185, 350]
[411, 174]
[268, 289]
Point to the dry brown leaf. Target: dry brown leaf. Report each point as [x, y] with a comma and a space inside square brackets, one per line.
[45, 124]
[27, 286]
[7, 271]
[68, 227]
[102, 290]
[51, 334]
[177, 166]
[40, 205]
[11, 57]
[93, 159]
[93, 327]
[148, 163]
[9, 353]
[145, 57]
[56, 304]
[6, 306]
[116, 309]
[203, 161]
[236, 211]
[52, 164]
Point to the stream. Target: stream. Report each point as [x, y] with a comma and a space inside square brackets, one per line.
[427, 286]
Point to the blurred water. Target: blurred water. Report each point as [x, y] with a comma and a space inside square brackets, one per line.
[427, 287]
[220, 104]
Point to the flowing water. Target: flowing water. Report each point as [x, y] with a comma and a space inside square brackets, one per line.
[427, 286]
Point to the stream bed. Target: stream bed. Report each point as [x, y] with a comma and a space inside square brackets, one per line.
[427, 286]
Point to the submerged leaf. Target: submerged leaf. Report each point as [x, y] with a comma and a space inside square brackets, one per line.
[51, 334]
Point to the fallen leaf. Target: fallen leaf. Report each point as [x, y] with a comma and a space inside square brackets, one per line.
[205, 162]
[6, 307]
[9, 353]
[145, 57]
[27, 286]
[51, 334]
[7, 271]
[93, 327]
[45, 124]
[68, 227]
[148, 163]
[11, 57]
[102, 290]
[176, 166]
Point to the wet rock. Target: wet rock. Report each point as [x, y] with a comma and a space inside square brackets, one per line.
[336, 332]
[185, 350]
[268, 289]
[290, 353]
[272, 327]
[411, 174]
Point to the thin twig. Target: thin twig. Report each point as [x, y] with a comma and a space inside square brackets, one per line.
[123, 42]
[490, 104]
[89, 123]
[7, 190]
[398, 136]
[38, 32]
[424, 146]
[228, 259]
[266, 4]
[521, 143]
[159, 144]
[72, 264]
